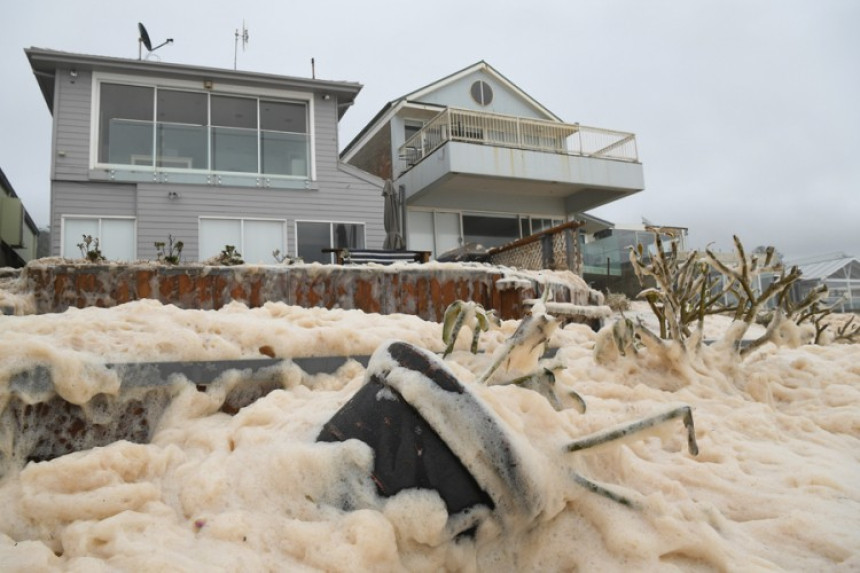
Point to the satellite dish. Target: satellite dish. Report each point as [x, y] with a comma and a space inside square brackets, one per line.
[143, 40]
[144, 37]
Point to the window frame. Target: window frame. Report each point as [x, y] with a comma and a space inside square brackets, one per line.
[241, 220]
[331, 225]
[521, 218]
[99, 219]
[234, 90]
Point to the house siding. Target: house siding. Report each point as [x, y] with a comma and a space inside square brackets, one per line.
[82, 198]
[457, 94]
[339, 193]
[72, 137]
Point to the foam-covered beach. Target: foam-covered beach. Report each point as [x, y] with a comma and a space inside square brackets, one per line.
[776, 485]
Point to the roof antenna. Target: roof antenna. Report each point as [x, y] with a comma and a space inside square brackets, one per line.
[143, 40]
[244, 37]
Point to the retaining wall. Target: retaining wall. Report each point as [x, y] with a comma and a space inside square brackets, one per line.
[422, 290]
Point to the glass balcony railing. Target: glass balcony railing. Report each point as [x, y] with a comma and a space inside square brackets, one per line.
[207, 148]
[500, 130]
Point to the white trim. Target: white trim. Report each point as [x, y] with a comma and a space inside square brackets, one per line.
[197, 86]
[305, 98]
[385, 121]
[312, 138]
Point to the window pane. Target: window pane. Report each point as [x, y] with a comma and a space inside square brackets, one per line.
[182, 107]
[420, 224]
[181, 146]
[283, 116]
[181, 133]
[525, 229]
[234, 149]
[73, 232]
[285, 153]
[490, 230]
[125, 124]
[234, 112]
[215, 234]
[541, 224]
[447, 232]
[261, 238]
[117, 239]
[348, 236]
[311, 238]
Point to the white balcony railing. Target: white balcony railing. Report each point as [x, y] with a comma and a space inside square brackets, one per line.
[516, 132]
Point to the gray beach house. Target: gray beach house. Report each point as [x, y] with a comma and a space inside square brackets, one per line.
[143, 149]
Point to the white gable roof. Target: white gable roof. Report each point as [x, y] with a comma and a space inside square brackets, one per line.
[414, 98]
[481, 66]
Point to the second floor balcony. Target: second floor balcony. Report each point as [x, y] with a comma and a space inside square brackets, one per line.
[587, 166]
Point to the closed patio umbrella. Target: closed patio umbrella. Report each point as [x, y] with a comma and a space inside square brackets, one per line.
[393, 223]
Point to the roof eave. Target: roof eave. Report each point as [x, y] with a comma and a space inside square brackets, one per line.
[45, 62]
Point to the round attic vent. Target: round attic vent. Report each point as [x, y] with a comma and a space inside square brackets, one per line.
[482, 92]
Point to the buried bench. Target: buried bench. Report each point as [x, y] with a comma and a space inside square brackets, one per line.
[378, 256]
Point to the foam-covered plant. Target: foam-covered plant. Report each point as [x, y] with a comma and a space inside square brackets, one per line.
[170, 252]
[684, 290]
[286, 259]
[230, 256]
[688, 289]
[90, 249]
[471, 314]
[848, 332]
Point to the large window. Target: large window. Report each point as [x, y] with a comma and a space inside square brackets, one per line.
[490, 230]
[254, 239]
[175, 129]
[116, 236]
[441, 231]
[181, 133]
[434, 231]
[532, 225]
[312, 237]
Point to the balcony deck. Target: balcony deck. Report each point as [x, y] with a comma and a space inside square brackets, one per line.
[480, 152]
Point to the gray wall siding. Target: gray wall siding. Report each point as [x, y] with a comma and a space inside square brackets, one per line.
[338, 194]
[82, 198]
[72, 124]
[346, 199]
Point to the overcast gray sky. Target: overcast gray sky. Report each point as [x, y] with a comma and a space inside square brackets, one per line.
[746, 112]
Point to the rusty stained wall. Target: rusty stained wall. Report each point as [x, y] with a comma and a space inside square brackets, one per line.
[422, 292]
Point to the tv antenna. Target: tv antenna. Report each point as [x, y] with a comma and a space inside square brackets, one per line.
[143, 40]
[244, 36]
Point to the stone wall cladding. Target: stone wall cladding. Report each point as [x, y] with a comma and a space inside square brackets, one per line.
[422, 291]
[556, 249]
